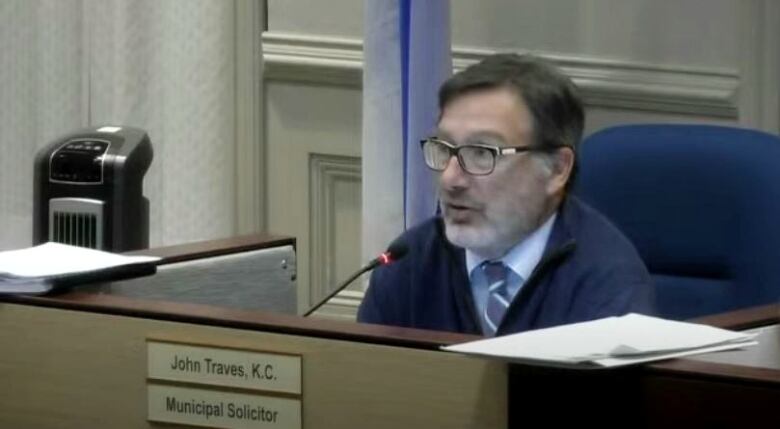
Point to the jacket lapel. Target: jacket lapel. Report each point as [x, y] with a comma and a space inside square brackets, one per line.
[560, 245]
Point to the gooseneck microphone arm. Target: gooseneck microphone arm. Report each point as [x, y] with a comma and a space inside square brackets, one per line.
[394, 252]
[340, 288]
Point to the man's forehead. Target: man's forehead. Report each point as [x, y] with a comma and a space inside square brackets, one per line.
[498, 111]
[474, 135]
[479, 100]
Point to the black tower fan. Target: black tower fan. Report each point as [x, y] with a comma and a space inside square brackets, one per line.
[88, 189]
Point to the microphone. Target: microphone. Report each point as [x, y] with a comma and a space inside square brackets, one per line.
[394, 252]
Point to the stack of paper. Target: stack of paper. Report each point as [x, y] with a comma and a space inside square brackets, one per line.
[39, 269]
[609, 342]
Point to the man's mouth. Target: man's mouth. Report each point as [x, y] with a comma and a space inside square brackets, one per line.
[458, 207]
[457, 212]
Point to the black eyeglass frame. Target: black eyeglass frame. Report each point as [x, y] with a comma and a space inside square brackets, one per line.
[495, 150]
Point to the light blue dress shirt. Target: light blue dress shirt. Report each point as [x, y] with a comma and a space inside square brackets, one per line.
[521, 260]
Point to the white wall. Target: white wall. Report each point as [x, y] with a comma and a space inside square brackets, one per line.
[635, 60]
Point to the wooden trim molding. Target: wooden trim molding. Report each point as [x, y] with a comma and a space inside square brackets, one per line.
[759, 95]
[323, 60]
[212, 248]
[747, 318]
[242, 319]
[325, 172]
[388, 335]
[604, 82]
[250, 161]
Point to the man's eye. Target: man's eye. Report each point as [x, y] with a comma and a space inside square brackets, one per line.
[478, 154]
[481, 152]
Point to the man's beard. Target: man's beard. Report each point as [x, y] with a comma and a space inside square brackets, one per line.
[491, 239]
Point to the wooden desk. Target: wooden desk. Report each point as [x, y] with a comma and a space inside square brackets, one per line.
[728, 389]
[78, 360]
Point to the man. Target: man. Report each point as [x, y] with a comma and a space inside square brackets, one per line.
[511, 251]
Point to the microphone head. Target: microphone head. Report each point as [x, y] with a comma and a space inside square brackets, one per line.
[396, 250]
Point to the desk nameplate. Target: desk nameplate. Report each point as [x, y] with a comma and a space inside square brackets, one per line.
[224, 367]
[214, 408]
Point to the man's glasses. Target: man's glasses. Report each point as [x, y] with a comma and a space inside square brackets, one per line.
[475, 159]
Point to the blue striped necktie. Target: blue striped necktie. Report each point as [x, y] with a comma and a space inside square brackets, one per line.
[498, 295]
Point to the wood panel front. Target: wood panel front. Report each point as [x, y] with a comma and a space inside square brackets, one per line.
[65, 368]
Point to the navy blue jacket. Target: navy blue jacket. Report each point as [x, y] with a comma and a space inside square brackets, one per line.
[589, 270]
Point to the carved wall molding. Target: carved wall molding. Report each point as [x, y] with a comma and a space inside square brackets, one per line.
[605, 82]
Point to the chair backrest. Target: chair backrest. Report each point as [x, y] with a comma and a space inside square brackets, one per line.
[702, 205]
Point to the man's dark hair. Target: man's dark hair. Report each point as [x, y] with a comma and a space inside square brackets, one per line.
[551, 97]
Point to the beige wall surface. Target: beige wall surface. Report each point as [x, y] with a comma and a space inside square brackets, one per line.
[624, 29]
[313, 176]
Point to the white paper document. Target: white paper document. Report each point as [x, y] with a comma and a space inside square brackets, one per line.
[32, 270]
[609, 342]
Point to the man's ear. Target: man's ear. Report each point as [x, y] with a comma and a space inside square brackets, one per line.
[563, 164]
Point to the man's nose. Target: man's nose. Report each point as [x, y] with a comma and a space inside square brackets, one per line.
[453, 176]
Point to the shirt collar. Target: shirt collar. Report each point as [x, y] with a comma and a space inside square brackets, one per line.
[523, 257]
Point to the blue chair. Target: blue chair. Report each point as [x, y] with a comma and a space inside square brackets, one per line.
[702, 205]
